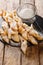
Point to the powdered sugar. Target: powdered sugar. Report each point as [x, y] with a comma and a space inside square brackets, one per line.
[26, 13]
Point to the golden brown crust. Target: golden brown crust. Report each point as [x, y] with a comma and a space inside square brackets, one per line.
[14, 26]
[36, 34]
[32, 40]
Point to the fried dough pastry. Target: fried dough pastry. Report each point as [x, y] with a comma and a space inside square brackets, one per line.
[10, 15]
[23, 44]
[26, 27]
[2, 32]
[24, 35]
[15, 37]
[32, 40]
[16, 18]
[10, 20]
[5, 38]
[5, 18]
[4, 13]
[1, 12]
[14, 12]
[10, 33]
[21, 29]
[13, 28]
[36, 34]
[4, 25]
[13, 25]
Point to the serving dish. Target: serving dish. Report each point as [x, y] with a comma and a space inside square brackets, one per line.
[38, 26]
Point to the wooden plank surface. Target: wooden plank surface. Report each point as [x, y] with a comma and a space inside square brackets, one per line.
[32, 57]
[12, 56]
[1, 53]
[27, 1]
[39, 6]
[41, 53]
[9, 5]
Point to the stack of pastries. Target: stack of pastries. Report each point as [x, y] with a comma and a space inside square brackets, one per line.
[13, 28]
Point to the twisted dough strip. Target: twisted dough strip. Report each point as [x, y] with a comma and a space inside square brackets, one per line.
[13, 24]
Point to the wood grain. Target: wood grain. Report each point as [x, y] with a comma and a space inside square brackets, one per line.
[32, 57]
[9, 5]
[27, 1]
[12, 56]
[41, 53]
[39, 6]
[1, 53]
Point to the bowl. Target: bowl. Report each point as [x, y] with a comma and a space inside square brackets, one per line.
[27, 12]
